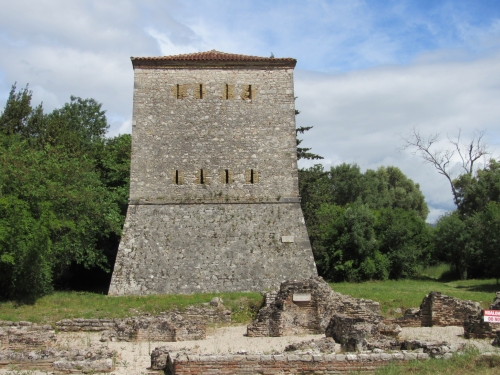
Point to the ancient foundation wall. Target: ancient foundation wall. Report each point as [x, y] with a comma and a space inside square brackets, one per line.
[20, 335]
[91, 360]
[199, 314]
[188, 248]
[289, 364]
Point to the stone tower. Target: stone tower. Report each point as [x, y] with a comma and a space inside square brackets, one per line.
[214, 202]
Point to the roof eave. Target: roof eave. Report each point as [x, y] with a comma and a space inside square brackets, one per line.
[158, 63]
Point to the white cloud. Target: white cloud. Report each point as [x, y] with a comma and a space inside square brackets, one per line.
[167, 47]
[358, 117]
[120, 127]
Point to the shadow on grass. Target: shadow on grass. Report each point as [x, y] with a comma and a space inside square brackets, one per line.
[426, 278]
[25, 301]
[488, 288]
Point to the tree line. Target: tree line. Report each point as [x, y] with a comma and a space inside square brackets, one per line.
[63, 194]
[467, 238]
[64, 188]
[365, 226]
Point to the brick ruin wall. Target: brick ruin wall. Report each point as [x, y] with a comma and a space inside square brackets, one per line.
[242, 229]
[441, 310]
[285, 316]
[285, 363]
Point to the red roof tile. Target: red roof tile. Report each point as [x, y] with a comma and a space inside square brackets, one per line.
[211, 58]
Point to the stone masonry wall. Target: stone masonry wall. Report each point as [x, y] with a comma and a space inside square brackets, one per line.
[214, 200]
[214, 134]
[211, 248]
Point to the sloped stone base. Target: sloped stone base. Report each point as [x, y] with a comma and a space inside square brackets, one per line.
[196, 248]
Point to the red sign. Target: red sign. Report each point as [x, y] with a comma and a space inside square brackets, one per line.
[492, 316]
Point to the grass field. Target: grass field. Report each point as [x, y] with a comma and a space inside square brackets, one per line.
[66, 305]
[391, 295]
[409, 293]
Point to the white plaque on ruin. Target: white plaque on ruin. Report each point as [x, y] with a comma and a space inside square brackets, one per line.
[287, 239]
[301, 297]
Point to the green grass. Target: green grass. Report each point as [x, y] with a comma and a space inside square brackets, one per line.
[404, 294]
[391, 294]
[468, 363]
[66, 305]
[434, 272]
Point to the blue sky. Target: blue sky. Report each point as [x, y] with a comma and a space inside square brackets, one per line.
[367, 72]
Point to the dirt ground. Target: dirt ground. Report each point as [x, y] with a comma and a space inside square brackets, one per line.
[134, 357]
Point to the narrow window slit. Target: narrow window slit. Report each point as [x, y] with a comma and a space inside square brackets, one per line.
[251, 176]
[227, 91]
[250, 92]
[202, 179]
[178, 92]
[227, 176]
[201, 91]
[177, 177]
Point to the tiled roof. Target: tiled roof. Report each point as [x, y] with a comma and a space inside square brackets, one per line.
[211, 58]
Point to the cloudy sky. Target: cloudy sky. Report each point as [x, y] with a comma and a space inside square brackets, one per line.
[367, 73]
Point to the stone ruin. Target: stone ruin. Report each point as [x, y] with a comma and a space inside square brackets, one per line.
[169, 326]
[21, 335]
[26, 345]
[310, 306]
[476, 328]
[95, 359]
[306, 307]
[357, 334]
[311, 357]
[155, 328]
[439, 310]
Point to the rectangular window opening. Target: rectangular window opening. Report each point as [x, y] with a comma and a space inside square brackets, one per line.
[202, 179]
[227, 176]
[250, 92]
[178, 92]
[227, 91]
[177, 177]
[251, 176]
[201, 91]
